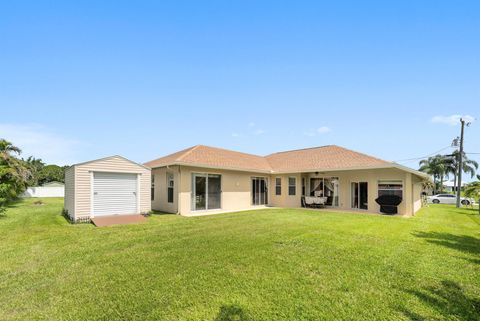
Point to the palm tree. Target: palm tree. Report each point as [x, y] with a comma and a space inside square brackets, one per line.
[473, 190]
[427, 184]
[35, 165]
[14, 174]
[7, 150]
[469, 166]
[436, 167]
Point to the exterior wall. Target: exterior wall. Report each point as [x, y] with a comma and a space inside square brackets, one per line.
[371, 177]
[236, 190]
[417, 195]
[44, 191]
[160, 200]
[285, 200]
[69, 200]
[83, 182]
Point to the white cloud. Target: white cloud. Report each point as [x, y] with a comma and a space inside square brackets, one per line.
[251, 130]
[318, 131]
[39, 141]
[323, 130]
[452, 120]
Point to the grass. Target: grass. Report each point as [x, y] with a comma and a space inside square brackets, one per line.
[273, 264]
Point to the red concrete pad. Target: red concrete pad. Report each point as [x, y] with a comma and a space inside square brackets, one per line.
[117, 219]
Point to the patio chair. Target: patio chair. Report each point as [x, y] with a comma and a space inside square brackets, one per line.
[318, 193]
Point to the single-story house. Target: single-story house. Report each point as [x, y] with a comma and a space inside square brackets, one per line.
[108, 186]
[450, 186]
[202, 179]
[51, 189]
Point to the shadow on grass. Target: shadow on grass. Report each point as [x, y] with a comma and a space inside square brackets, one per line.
[449, 300]
[13, 204]
[161, 213]
[231, 313]
[474, 261]
[464, 243]
[466, 211]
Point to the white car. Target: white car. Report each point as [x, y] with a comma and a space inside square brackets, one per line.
[449, 199]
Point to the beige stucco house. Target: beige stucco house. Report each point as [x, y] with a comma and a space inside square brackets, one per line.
[202, 180]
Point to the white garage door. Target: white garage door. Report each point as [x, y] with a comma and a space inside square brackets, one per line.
[114, 193]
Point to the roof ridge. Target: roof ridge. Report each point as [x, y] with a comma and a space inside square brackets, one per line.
[187, 152]
[233, 151]
[331, 145]
[299, 149]
[354, 151]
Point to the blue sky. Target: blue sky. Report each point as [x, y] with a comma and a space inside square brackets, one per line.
[142, 79]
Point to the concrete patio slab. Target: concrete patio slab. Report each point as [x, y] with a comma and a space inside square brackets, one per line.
[117, 219]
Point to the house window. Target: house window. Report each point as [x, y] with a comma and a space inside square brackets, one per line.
[278, 186]
[292, 186]
[170, 185]
[394, 187]
[152, 188]
[303, 186]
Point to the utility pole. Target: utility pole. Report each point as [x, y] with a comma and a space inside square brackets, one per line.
[460, 165]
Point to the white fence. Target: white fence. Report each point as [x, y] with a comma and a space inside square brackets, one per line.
[45, 191]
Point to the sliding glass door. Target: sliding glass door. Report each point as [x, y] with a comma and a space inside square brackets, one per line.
[259, 191]
[200, 193]
[325, 187]
[206, 192]
[359, 198]
[214, 188]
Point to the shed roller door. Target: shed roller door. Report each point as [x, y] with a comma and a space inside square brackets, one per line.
[114, 193]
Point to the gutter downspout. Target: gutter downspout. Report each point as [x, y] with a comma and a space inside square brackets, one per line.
[179, 184]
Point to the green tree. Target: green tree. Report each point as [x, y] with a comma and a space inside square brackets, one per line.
[51, 173]
[436, 167]
[473, 190]
[469, 166]
[7, 150]
[427, 184]
[14, 174]
[35, 165]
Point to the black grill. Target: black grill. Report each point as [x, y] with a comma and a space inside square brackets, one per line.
[388, 203]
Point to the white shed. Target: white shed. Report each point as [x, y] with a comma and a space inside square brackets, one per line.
[109, 186]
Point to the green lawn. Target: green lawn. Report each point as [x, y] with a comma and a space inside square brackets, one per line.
[261, 265]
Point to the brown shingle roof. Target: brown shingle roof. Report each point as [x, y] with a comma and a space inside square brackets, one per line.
[329, 157]
[311, 159]
[205, 156]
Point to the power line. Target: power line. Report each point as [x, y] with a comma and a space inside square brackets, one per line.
[418, 158]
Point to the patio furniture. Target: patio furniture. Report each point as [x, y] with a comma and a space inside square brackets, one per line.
[309, 202]
[318, 193]
[389, 203]
[320, 201]
[315, 202]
